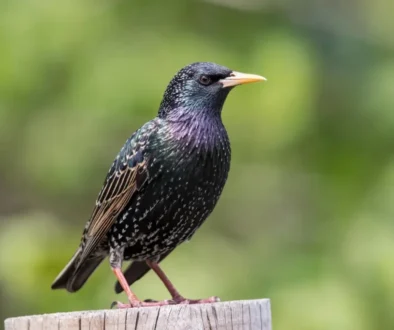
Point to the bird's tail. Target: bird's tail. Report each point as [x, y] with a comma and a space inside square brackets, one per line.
[72, 278]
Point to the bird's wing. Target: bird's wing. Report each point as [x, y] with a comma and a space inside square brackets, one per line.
[127, 174]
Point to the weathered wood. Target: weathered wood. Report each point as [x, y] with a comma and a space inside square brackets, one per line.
[234, 315]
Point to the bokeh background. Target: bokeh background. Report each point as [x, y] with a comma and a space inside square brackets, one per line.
[307, 216]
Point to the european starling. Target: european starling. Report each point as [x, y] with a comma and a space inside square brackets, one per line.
[163, 184]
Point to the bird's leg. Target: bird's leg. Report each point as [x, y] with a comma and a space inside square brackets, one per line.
[176, 296]
[116, 263]
[166, 281]
[133, 299]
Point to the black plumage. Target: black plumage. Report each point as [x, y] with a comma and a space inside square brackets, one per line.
[163, 184]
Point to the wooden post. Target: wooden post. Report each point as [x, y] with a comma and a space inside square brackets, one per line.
[235, 315]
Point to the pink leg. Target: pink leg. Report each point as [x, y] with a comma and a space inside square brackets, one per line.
[176, 296]
[133, 300]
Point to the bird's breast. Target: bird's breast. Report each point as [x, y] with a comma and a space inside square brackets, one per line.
[186, 177]
[199, 150]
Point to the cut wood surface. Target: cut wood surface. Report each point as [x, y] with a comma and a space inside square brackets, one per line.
[234, 315]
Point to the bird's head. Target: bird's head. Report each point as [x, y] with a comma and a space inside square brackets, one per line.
[201, 87]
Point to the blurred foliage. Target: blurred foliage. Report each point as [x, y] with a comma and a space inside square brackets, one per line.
[306, 218]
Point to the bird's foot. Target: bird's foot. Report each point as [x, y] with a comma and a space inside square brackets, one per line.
[182, 300]
[137, 303]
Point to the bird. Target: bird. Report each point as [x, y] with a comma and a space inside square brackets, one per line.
[161, 187]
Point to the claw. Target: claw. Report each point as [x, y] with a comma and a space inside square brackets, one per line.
[145, 304]
[177, 300]
[182, 300]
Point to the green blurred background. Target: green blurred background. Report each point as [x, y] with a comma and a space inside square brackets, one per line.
[306, 218]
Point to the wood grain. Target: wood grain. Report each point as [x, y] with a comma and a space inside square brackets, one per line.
[232, 315]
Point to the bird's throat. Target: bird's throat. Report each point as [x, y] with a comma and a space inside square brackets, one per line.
[198, 129]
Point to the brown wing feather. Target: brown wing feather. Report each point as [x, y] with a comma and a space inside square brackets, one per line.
[114, 196]
[128, 173]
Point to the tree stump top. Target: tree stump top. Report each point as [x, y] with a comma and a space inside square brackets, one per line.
[235, 315]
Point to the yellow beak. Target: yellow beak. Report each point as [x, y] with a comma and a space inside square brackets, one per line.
[239, 78]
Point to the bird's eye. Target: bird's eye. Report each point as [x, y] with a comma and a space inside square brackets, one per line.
[204, 80]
